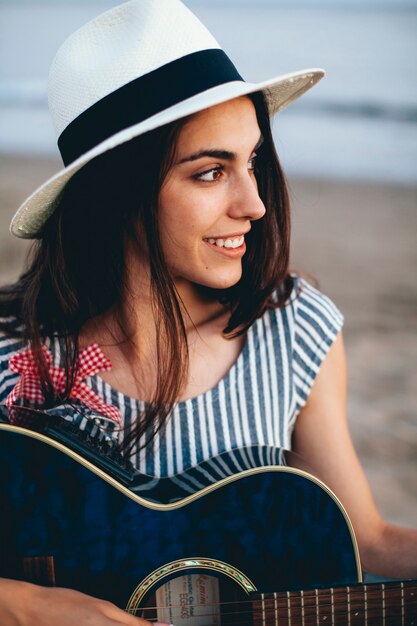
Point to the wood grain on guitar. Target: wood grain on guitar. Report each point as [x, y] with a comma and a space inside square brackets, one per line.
[39, 570]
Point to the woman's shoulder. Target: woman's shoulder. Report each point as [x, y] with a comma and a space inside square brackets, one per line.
[307, 305]
[308, 324]
[310, 299]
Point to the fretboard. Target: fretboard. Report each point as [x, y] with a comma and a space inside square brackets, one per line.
[386, 604]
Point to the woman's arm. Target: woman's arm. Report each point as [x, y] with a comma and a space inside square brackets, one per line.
[24, 604]
[322, 437]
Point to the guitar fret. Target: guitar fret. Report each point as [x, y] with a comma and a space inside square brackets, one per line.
[289, 608]
[402, 604]
[348, 604]
[317, 608]
[365, 598]
[302, 608]
[383, 604]
[263, 610]
[326, 598]
[276, 609]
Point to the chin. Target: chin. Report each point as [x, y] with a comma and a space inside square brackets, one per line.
[221, 282]
[211, 279]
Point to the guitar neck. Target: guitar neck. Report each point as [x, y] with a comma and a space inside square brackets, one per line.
[384, 604]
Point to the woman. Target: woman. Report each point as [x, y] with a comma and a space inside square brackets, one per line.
[160, 282]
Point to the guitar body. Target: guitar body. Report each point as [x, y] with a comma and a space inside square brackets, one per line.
[266, 529]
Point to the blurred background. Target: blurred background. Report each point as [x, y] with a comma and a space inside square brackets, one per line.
[349, 148]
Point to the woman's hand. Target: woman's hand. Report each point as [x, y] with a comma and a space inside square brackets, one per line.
[24, 604]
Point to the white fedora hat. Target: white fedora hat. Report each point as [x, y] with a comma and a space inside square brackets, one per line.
[130, 70]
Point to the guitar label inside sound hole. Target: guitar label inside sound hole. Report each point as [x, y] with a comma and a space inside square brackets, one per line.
[189, 600]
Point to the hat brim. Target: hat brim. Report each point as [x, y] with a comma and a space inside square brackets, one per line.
[31, 216]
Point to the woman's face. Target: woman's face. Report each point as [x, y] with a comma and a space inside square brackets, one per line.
[209, 198]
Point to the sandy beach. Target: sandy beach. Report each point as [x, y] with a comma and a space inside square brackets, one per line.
[359, 240]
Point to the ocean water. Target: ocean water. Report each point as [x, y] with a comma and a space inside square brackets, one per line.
[360, 122]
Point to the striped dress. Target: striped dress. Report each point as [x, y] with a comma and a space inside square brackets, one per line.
[255, 404]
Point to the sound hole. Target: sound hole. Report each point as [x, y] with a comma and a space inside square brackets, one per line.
[199, 599]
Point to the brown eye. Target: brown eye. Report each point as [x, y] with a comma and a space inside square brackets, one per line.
[210, 176]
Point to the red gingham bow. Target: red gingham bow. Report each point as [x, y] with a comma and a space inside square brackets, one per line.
[90, 361]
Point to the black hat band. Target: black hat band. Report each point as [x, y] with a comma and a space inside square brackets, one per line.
[145, 96]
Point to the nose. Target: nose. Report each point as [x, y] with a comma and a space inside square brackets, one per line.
[245, 202]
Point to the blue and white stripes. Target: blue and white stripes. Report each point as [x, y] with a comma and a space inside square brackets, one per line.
[255, 404]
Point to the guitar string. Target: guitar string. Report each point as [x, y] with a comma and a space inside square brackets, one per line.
[353, 590]
[338, 603]
[240, 623]
[284, 605]
[271, 611]
[296, 615]
[297, 620]
[376, 611]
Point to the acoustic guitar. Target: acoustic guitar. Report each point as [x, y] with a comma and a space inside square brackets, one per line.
[243, 538]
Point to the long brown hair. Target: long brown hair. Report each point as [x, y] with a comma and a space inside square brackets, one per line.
[77, 269]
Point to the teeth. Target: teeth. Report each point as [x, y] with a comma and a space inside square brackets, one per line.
[236, 242]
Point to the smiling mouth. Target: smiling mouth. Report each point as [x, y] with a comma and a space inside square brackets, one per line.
[228, 243]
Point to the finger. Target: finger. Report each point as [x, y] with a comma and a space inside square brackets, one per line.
[127, 619]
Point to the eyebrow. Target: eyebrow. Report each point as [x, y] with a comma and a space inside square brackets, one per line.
[217, 153]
